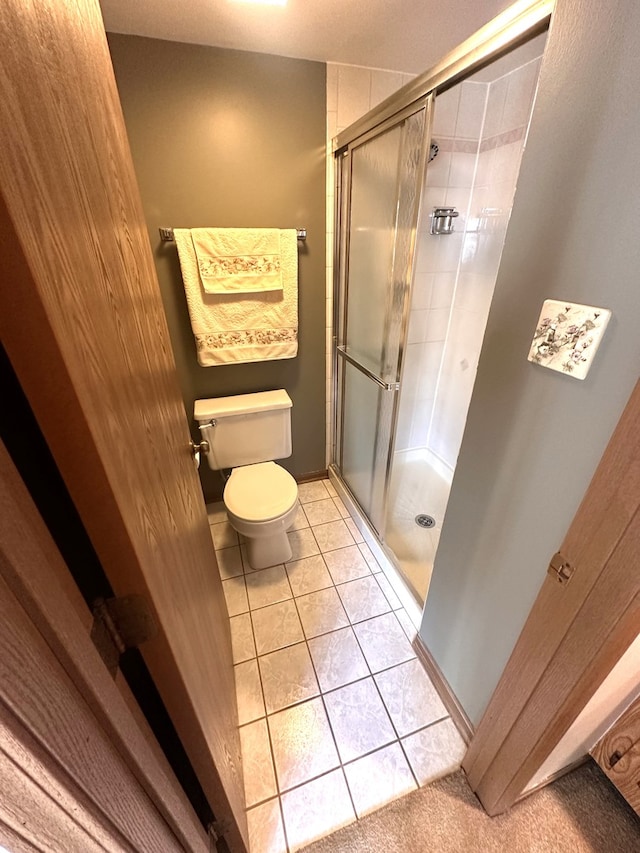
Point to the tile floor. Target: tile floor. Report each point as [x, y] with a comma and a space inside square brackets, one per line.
[337, 716]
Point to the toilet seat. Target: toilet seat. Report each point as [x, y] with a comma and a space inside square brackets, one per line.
[260, 492]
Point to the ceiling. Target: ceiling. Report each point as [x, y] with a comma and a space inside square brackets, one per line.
[397, 35]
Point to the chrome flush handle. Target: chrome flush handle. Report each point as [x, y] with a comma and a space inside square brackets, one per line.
[203, 447]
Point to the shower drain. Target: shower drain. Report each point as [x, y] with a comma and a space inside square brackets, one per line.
[423, 520]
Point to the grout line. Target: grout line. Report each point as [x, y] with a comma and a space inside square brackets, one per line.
[395, 610]
[371, 752]
[384, 705]
[397, 739]
[409, 765]
[335, 743]
[404, 751]
[271, 753]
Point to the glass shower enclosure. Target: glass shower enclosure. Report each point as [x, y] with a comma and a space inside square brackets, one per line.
[424, 195]
[384, 173]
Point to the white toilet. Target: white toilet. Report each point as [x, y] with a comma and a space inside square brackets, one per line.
[246, 433]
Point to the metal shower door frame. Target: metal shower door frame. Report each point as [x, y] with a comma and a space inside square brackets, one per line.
[399, 292]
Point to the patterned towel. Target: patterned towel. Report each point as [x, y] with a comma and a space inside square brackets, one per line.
[234, 328]
[238, 260]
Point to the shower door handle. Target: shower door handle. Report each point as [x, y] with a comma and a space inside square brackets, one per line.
[386, 386]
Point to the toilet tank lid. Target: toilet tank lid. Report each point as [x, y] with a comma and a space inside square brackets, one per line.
[241, 404]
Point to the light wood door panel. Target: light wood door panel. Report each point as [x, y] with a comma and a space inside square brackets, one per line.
[68, 781]
[82, 322]
[35, 572]
[618, 754]
[575, 632]
[51, 741]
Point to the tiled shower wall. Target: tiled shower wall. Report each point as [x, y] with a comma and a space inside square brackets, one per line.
[481, 130]
[457, 128]
[351, 92]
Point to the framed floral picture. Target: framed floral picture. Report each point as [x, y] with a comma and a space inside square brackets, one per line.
[567, 336]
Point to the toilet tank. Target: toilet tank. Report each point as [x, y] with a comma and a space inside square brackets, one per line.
[249, 428]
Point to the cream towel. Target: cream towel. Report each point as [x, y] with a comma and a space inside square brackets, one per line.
[237, 328]
[238, 260]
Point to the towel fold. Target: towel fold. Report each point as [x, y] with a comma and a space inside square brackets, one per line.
[238, 260]
[235, 328]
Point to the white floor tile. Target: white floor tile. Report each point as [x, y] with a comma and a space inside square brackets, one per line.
[316, 809]
[321, 612]
[358, 718]
[308, 575]
[333, 535]
[303, 543]
[435, 752]
[276, 626]
[223, 535]
[321, 512]
[344, 512]
[407, 625]
[303, 746]
[388, 591]
[353, 530]
[379, 778]
[410, 697]
[248, 692]
[314, 491]
[267, 586]
[330, 488]
[216, 512]
[346, 564]
[363, 599]
[383, 642]
[300, 520]
[235, 594]
[229, 562]
[367, 553]
[337, 659]
[287, 677]
[266, 832]
[257, 765]
[242, 644]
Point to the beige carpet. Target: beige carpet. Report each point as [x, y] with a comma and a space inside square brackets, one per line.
[580, 813]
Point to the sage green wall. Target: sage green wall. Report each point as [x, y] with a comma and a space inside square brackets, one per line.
[229, 138]
[534, 437]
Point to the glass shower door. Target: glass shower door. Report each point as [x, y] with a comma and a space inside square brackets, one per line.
[381, 176]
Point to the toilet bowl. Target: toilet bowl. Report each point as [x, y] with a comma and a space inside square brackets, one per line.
[261, 502]
[247, 433]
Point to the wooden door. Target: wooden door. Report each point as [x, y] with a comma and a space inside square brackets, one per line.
[80, 772]
[618, 754]
[575, 632]
[83, 325]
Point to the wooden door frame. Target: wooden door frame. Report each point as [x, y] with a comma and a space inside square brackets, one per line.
[575, 633]
[36, 576]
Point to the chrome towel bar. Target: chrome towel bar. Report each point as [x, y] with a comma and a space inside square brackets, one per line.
[166, 234]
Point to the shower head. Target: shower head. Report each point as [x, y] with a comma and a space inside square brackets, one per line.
[433, 151]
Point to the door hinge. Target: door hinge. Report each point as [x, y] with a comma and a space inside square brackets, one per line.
[217, 831]
[120, 624]
[560, 568]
